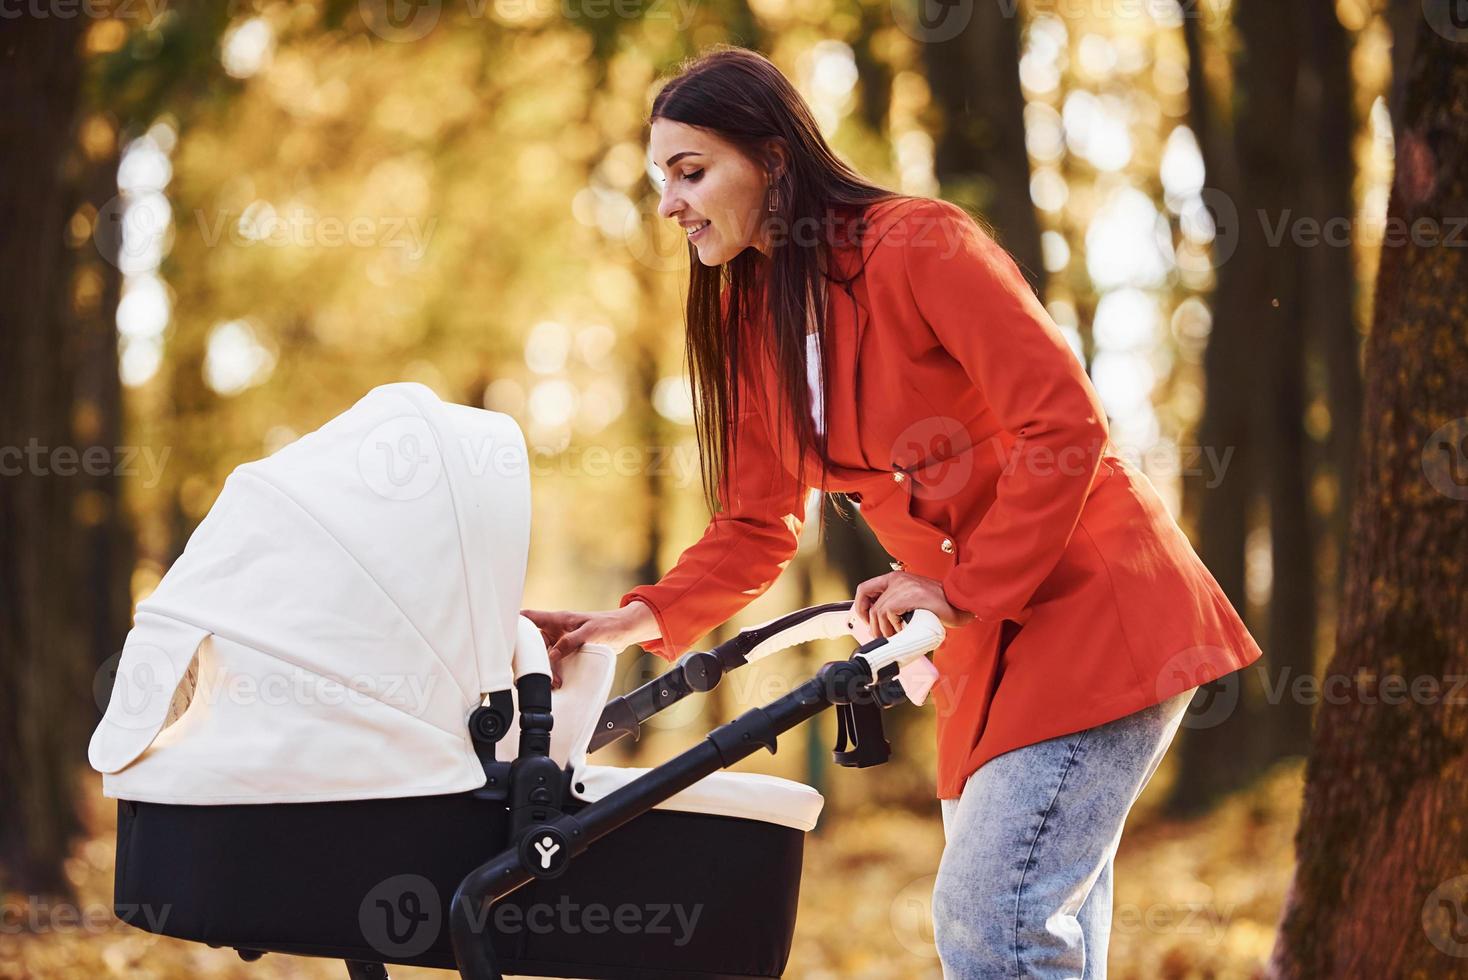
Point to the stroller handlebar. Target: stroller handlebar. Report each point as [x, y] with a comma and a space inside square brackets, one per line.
[830, 621]
[922, 635]
[701, 671]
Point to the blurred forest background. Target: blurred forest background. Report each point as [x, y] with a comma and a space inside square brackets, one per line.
[225, 222]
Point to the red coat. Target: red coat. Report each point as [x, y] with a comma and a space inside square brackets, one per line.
[978, 449]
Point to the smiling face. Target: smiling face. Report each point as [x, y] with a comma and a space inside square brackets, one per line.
[711, 188]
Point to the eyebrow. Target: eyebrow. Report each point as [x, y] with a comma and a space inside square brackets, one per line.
[680, 155]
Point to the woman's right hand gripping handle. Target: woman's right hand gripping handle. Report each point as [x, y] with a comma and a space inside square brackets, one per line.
[566, 632]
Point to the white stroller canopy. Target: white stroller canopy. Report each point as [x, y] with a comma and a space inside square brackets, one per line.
[350, 598]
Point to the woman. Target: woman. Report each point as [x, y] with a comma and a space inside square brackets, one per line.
[1080, 621]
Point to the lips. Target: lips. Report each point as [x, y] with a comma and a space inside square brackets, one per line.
[696, 230]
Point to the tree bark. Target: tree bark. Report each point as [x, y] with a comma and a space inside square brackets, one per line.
[981, 160]
[1209, 761]
[106, 547]
[1326, 145]
[1273, 241]
[1379, 888]
[1282, 304]
[43, 662]
[874, 88]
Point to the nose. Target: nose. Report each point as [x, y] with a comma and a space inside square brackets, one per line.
[669, 203]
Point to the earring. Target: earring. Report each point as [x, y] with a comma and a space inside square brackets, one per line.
[774, 198]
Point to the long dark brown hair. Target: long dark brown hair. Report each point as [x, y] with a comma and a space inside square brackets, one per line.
[743, 98]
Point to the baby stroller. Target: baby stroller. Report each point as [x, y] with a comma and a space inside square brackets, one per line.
[371, 764]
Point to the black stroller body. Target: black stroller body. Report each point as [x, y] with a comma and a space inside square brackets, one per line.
[537, 863]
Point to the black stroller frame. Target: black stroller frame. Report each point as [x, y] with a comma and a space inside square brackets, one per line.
[850, 685]
[549, 828]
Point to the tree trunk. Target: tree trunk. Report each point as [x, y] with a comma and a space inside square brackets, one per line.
[1331, 292]
[874, 88]
[1402, 19]
[1326, 148]
[1277, 298]
[1209, 761]
[981, 160]
[107, 548]
[1379, 889]
[1273, 178]
[43, 662]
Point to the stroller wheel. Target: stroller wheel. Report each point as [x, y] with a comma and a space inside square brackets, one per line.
[250, 955]
[362, 970]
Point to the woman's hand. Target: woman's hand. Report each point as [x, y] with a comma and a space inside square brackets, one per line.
[881, 601]
[567, 632]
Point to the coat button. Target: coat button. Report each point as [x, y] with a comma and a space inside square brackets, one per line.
[898, 565]
[947, 545]
[898, 476]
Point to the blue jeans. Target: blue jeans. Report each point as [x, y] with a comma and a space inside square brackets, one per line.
[1024, 885]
